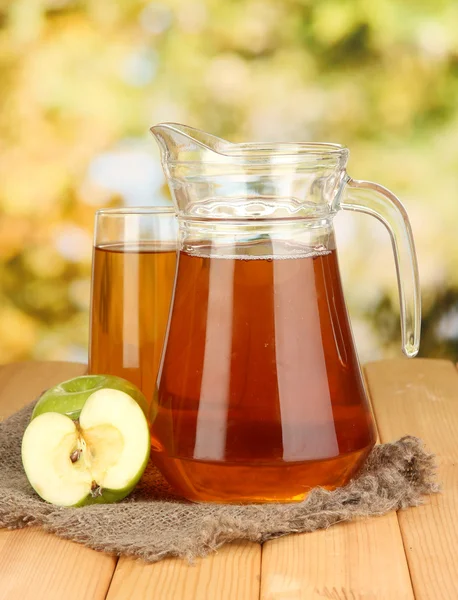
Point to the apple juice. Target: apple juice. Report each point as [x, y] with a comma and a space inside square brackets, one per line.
[132, 288]
[260, 393]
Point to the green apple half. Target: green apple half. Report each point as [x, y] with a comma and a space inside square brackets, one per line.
[70, 396]
[98, 459]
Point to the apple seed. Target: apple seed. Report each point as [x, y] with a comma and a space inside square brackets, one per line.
[75, 455]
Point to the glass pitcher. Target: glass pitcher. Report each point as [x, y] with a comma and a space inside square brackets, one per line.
[260, 395]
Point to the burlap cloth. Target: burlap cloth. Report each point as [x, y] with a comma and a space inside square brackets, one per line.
[152, 523]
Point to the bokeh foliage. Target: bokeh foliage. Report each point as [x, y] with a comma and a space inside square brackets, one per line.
[81, 80]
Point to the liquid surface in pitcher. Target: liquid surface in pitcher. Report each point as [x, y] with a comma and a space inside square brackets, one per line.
[260, 396]
[132, 289]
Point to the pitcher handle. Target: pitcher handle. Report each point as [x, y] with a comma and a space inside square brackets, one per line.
[376, 200]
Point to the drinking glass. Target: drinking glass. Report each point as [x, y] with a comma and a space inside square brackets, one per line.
[133, 274]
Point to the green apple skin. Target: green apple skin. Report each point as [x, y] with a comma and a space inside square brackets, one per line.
[69, 397]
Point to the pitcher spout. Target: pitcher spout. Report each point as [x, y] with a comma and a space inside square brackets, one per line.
[181, 143]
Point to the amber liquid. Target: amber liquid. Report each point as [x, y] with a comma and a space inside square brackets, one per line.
[131, 292]
[260, 395]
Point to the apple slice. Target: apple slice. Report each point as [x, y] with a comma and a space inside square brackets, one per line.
[69, 396]
[98, 459]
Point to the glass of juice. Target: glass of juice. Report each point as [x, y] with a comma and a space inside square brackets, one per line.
[133, 275]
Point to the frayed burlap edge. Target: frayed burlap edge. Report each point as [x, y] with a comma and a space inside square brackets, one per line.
[152, 523]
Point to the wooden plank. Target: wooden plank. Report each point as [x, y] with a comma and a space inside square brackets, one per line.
[232, 573]
[38, 566]
[420, 397]
[20, 383]
[363, 559]
[33, 564]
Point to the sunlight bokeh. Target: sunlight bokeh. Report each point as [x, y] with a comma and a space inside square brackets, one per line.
[81, 83]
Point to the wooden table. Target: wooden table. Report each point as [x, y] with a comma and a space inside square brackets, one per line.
[412, 554]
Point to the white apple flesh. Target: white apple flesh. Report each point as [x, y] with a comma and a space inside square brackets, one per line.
[98, 459]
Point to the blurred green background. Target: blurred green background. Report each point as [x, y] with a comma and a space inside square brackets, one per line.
[81, 82]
